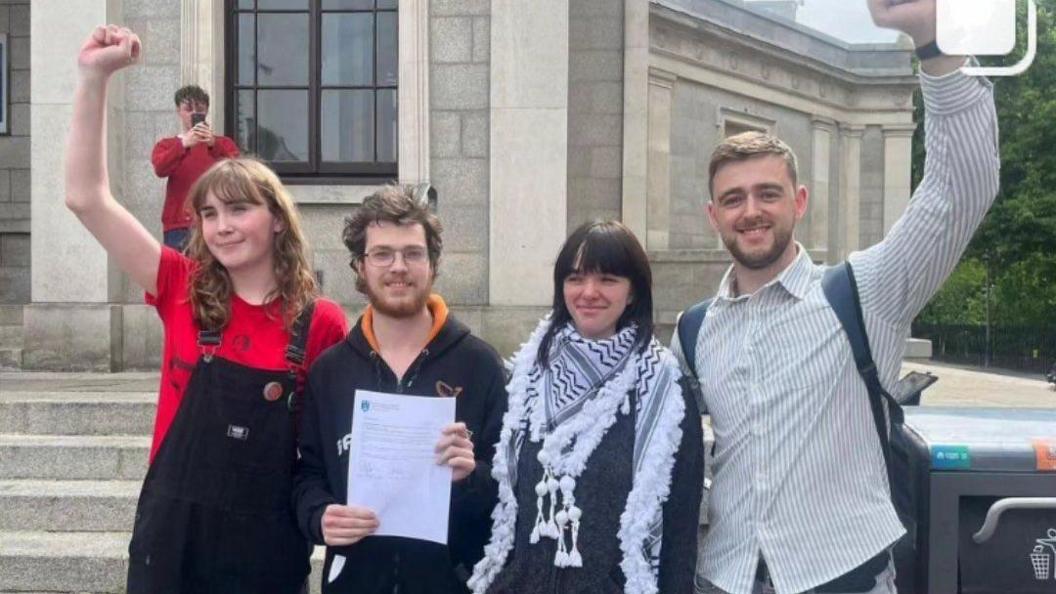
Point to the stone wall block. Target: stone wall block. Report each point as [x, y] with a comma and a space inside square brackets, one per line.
[14, 285]
[465, 230]
[151, 9]
[461, 182]
[20, 185]
[451, 39]
[475, 134]
[481, 39]
[19, 81]
[18, 57]
[14, 249]
[19, 19]
[469, 286]
[459, 7]
[150, 87]
[445, 131]
[66, 337]
[459, 86]
[14, 151]
[18, 123]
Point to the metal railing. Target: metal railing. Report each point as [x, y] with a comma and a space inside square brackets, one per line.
[1022, 348]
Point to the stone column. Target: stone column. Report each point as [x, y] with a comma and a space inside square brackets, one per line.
[658, 221]
[69, 323]
[849, 235]
[413, 92]
[635, 115]
[898, 166]
[817, 235]
[202, 52]
[529, 148]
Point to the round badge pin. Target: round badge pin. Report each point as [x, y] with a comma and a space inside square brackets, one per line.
[272, 391]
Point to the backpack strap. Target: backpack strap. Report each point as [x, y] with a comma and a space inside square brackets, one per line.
[688, 328]
[841, 290]
[689, 322]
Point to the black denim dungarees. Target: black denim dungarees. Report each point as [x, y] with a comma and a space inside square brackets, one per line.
[214, 515]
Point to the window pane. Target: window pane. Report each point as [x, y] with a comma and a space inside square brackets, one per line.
[245, 120]
[245, 4]
[387, 3]
[282, 40]
[246, 56]
[282, 130]
[348, 49]
[347, 123]
[282, 4]
[348, 4]
[387, 59]
[387, 126]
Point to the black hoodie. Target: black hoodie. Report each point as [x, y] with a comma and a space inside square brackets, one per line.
[453, 362]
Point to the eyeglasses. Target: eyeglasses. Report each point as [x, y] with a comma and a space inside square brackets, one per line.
[383, 258]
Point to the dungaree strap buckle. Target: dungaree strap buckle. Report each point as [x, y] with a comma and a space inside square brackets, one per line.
[208, 344]
[296, 354]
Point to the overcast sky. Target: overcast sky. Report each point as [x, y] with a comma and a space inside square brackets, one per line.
[844, 19]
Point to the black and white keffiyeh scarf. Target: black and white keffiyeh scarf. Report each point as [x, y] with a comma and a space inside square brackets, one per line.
[568, 406]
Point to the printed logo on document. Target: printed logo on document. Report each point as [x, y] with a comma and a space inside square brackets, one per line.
[365, 406]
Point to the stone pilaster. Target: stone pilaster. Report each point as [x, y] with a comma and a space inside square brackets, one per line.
[658, 222]
[529, 142]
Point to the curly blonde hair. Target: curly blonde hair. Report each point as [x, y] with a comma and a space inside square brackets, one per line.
[248, 180]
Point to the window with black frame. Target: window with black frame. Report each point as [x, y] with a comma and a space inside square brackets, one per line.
[311, 86]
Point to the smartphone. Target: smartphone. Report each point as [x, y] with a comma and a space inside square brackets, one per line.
[197, 118]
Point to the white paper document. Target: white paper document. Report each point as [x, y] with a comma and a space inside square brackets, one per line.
[392, 467]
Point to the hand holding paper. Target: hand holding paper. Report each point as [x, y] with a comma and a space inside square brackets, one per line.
[456, 450]
[397, 469]
[347, 524]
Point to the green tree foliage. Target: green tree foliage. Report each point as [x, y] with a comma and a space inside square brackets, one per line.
[1018, 236]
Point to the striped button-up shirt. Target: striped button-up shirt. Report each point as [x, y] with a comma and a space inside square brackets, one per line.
[799, 474]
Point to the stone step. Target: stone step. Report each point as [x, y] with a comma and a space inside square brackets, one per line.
[81, 506]
[10, 315]
[81, 562]
[63, 561]
[10, 358]
[73, 457]
[77, 413]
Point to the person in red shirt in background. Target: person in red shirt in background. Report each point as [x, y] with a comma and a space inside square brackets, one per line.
[184, 158]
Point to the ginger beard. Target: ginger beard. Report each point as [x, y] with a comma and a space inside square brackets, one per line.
[398, 295]
[399, 290]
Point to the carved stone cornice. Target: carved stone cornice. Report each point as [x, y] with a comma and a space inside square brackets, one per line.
[712, 46]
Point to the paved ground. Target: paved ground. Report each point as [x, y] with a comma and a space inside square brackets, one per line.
[957, 386]
[970, 386]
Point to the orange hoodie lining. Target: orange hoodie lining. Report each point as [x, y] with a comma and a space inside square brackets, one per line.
[437, 308]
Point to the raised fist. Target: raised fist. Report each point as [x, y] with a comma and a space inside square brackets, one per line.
[109, 49]
[916, 18]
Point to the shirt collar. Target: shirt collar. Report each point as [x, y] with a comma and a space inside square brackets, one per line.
[795, 278]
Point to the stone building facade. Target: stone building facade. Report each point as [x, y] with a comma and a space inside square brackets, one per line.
[14, 157]
[526, 117]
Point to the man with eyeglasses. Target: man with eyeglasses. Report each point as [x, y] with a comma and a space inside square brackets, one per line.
[406, 342]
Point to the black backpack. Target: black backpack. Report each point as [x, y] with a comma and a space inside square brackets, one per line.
[841, 291]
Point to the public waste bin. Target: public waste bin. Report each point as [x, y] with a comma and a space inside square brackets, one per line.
[976, 488]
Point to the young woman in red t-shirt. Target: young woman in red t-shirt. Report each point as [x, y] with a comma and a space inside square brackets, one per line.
[242, 319]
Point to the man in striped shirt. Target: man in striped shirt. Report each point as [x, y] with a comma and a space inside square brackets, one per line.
[801, 501]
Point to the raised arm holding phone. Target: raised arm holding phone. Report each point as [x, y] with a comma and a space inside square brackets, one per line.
[801, 499]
